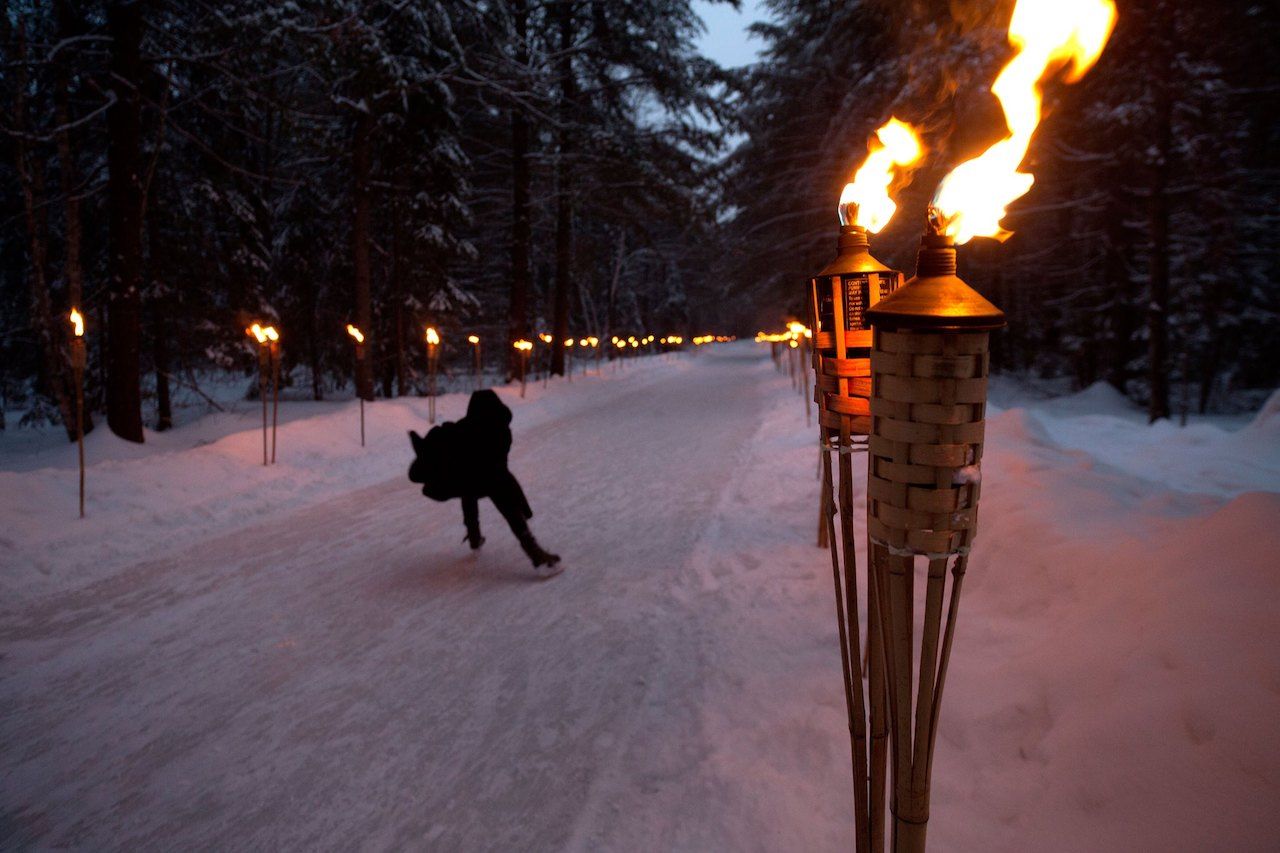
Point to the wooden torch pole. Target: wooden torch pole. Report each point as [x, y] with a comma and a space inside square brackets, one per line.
[77, 369]
[275, 395]
[264, 368]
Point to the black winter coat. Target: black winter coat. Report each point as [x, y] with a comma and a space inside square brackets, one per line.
[468, 458]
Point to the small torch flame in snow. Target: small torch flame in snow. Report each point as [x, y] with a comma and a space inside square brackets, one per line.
[432, 338]
[355, 333]
[263, 334]
[865, 201]
[473, 339]
[523, 345]
[1049, 36]
[77, 323]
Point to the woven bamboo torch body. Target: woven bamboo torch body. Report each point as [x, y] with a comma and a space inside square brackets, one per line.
[929, 362]
[840, 297]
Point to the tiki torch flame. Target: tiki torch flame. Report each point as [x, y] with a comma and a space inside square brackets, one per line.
[432, 337]
[866, 200]
[77, 323]
[258, 332]
[355, 333]
[523, 345]
[1049, 36]
[473, 339]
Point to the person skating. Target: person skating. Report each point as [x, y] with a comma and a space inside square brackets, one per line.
[467, 459]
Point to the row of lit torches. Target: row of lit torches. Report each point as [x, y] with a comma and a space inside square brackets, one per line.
[795, 341]
[267, 338]
[901, 373]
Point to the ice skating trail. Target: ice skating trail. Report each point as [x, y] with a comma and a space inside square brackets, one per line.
[347, 676]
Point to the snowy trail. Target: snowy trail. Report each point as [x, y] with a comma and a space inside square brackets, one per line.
[344, 674]
[351, 676]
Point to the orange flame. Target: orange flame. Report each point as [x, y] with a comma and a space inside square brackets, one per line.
[865, 201]
[473, 339]
[355, 333]
[432, 337]
[263, 334]
[1049, 36]
[77, 323]
[523, 345]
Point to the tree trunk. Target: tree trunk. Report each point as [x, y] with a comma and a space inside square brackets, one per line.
[398, 243]
[361, 143]
[1158, 225]
[611, 309]
[160, 355]
[30, 177]
[69, 26]
[564, 190]
[518, 307]
[124, 191]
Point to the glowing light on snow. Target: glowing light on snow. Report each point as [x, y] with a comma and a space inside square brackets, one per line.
[1049, 36]
[865, 200]
[432, 337]
[77, 323]
[355, 333]
[473, 339]
[523, 345]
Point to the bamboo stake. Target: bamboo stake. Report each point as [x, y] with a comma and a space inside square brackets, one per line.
[275, 396]
[876, 686]
[264, 366]
[846, 666]
[77, 368]
[808, 398]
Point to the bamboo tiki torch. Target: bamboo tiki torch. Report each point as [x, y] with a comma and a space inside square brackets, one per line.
[524, 347]
[546, 374]
[273, 338]
[433, 345]
[840, 297]
[474, 340]
[358, 337]
[264, 369]
[568, 358]
[77, 372]
[929, 363]
[594, 343]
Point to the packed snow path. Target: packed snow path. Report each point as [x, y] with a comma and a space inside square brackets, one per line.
[352, 676]
[348, 676]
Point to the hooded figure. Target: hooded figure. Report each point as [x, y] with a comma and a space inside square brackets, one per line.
[468, 460]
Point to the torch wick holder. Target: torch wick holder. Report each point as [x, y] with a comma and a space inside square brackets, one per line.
[937, 255]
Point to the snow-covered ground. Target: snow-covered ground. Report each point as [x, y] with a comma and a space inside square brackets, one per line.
[307, 657]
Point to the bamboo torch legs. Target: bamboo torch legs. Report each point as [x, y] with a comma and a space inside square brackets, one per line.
[839, 298]
[929, 364]
[77, 372]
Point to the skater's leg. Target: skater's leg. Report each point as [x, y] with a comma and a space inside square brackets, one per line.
[471, 518]
[510, 502]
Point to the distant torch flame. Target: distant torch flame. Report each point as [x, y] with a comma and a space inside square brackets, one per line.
[263, 334]
[432, 337]
[77, 323]
[1050, 36]
[866, 200]
[355, 333]
[473, 339]
[523, 345]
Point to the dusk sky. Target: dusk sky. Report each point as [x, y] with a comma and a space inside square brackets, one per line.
[726, 39]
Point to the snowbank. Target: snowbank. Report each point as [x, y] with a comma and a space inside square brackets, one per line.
[205, 477]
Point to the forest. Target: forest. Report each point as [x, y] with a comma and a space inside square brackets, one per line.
[180, 169]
